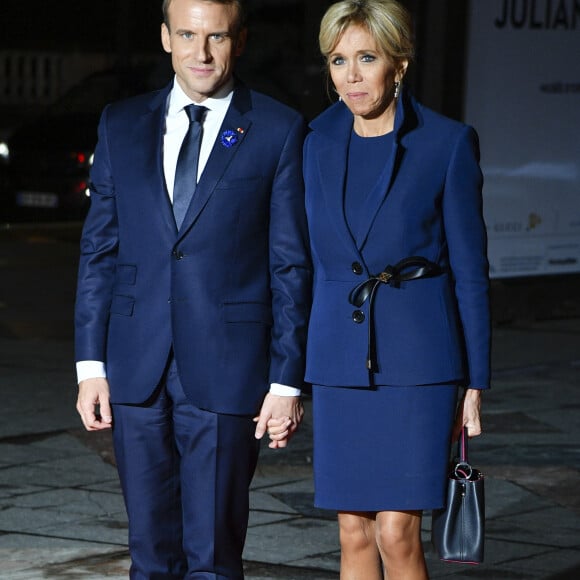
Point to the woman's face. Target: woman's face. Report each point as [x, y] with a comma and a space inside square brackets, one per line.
[363, 75]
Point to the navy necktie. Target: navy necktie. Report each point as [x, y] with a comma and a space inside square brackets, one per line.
[186, 170]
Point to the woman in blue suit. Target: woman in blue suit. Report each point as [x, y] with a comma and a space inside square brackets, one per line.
[400, 325]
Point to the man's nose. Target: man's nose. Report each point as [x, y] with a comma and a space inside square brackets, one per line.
[201, 50]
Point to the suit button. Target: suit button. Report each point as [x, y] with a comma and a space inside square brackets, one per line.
[357, 268]
[358, 316]
[178, 254]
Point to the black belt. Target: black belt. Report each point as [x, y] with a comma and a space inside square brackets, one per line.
[407, 269]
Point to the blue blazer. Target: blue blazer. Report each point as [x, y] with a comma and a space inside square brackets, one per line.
[428, 203]
[230, 291]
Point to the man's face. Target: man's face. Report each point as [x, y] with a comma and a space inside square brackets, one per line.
[204, 44]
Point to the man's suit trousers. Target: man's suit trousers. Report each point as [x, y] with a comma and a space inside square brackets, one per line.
[185, 474]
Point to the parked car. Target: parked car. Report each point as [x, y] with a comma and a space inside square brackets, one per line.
[46, 162]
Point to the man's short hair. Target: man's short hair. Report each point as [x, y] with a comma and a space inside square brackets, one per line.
[238, 4]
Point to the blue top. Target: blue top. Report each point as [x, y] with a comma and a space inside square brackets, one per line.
[367, 158]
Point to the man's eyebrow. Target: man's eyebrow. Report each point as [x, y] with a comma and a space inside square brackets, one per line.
[213, 33]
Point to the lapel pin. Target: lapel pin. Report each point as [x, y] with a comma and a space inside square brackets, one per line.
[229, 138]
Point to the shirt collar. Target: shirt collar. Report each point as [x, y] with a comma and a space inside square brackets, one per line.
[219, 102]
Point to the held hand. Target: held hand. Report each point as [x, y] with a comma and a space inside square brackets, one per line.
[279, 431]
[94, 393]
[469, 414]
[280, 417]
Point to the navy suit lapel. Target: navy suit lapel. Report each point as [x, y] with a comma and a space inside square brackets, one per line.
[332, 163]
[230, 138]
[147, 136]
[336, 126]
[378, 196]
[405, 120]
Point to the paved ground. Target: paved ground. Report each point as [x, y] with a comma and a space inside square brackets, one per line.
[61, 513]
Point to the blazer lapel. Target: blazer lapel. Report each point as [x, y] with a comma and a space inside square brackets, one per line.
[230, 138]
[335, 125]
[332, 163]
[148, 135]
[405, 121]
[378, 196]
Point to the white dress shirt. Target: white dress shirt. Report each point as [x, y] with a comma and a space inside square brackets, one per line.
[176, 125]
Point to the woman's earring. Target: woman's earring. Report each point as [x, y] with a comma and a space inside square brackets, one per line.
[397, 89]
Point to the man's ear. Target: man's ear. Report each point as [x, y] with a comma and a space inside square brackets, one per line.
[241, 42]
[165, 38]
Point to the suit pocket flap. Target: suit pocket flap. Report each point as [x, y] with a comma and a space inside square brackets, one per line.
[122, 305]
[256, 312]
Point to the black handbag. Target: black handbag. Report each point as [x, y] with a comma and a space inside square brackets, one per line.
[458, 530]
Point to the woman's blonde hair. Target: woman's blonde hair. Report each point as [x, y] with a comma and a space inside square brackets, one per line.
[387, 21]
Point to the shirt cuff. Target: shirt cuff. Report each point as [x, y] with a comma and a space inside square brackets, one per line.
[284, 390]
[90, 369]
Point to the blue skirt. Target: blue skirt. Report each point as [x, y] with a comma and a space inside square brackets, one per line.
[382, 449]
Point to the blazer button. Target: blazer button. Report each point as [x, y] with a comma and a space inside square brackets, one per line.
[358, 316]
[177, 254]
[357, 268]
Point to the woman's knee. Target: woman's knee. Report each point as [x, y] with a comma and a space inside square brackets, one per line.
[357, 531]
[398, 534]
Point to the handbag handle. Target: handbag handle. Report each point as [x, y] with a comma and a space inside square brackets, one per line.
[462, 443]
[463, 469]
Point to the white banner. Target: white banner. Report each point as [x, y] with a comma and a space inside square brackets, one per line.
[523, 97]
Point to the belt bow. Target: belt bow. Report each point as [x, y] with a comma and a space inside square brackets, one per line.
[412, 268]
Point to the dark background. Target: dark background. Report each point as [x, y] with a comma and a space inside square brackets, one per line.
[282, 59]
[282, 55]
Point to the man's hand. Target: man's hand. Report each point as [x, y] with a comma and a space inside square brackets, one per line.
[280, 417]
[93, 404]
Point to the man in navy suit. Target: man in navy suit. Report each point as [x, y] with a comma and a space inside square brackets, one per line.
[190, 338]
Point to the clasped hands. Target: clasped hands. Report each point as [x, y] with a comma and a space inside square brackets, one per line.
[279, 417]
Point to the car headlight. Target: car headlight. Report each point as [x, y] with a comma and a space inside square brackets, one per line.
[4, 151]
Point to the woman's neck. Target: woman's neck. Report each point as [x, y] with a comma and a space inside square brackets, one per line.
[375, 127]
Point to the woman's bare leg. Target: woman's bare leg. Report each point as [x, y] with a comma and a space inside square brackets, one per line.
[398, 537]
[360, 558]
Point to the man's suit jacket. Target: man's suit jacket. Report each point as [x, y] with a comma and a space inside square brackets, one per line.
[428, 203]
[230, 292]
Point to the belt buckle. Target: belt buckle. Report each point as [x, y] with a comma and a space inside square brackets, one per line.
[385, 277]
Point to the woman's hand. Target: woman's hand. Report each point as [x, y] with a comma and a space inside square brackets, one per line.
[279, 417]
[469, 414]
